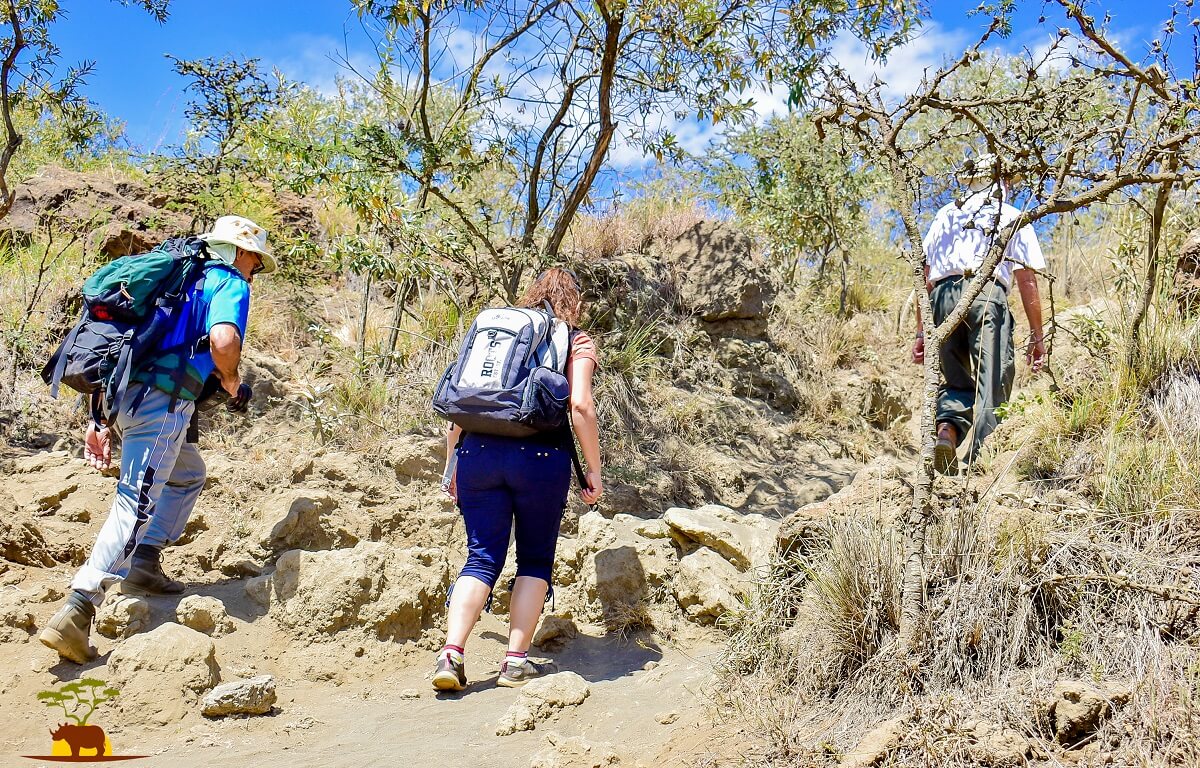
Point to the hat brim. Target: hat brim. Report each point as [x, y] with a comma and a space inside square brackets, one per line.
[268, 259]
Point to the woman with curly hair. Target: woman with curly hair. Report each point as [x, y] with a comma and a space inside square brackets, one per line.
[502, 482]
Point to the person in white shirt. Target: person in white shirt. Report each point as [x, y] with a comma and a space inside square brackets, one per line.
[977, 360]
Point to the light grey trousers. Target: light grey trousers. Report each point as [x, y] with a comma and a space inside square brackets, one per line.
[161, 478]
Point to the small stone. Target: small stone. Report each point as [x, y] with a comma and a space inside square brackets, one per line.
[558, 628]
[204, 614]
[666, 718]
[48, 595]
[575, 752]
[650, 666]
[122, 616]
[410, 693]
[241, 697]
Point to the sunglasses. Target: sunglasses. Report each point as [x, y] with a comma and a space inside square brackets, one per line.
[259, 268]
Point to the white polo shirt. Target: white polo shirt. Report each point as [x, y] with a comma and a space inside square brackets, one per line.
[962, 232]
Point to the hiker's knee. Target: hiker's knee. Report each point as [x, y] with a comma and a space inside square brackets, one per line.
[483, 569]
[538, 568]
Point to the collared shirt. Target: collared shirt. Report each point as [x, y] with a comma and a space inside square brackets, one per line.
[962, 232]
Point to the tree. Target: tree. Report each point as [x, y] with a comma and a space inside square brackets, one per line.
[526, 99]
[1086, 123]
[805, 202]
[29, 80]
[86, 694]
[230, 95]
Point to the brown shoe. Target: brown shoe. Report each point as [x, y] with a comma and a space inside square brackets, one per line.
[69, 630]
[945, 450]
[146, 575]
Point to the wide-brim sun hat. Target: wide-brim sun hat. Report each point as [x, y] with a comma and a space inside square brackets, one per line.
[984, 167]
[245, 234]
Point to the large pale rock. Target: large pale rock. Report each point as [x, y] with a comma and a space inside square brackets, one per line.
[388, 592]
[541, 699]
[164, 671]
[575, 752]
[614, 566]
[718, 278]
[1077, 709]
[707, 586]
[744, 540]
[122, 616]
[204, 614]
[303, 519]
[255, 696]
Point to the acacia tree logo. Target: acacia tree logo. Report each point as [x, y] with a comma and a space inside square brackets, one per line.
[78, 700]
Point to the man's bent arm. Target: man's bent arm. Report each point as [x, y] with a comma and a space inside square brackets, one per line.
[225, 345]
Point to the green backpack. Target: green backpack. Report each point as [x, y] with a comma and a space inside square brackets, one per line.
[129, 307]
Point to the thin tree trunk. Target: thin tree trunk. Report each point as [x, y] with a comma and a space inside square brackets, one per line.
[362, 328]
[613, 23]
[403, 291]
[12, 139]
[1153, 238]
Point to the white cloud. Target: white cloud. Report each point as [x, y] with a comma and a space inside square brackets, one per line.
[319, 60]
[907, 64]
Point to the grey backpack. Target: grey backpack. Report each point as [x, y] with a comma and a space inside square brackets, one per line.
[510, 375]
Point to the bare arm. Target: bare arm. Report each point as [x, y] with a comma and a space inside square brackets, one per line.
[225, 344]
[587, 429]
[1031, 300]
[452, 436]
[918, 350]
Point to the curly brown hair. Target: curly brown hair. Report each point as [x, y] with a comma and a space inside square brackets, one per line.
[561, 288]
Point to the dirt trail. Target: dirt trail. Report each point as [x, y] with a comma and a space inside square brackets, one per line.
[349, 697]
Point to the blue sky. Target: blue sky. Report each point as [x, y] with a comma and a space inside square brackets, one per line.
[135, 83]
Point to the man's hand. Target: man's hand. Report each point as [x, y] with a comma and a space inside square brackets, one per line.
[239, 399]
[918, 350]
[451, 490]
[594, 490]
[1035, 353]
[97, 447]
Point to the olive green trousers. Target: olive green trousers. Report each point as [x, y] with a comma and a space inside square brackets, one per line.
[977, 360]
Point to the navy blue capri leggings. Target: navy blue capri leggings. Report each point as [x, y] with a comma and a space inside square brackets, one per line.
[502, 480]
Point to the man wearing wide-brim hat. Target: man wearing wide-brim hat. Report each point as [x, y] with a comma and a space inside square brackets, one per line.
[162, 473]
[978, 362]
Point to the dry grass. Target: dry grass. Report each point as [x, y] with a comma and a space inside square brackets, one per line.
[631, 227]
[1035, 597]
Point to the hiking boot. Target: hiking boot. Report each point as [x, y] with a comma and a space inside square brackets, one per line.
[69, 629]
[514, 674]
[945, 457]
[451, 674]
[146, 574]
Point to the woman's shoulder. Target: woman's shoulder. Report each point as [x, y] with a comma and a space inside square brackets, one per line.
[582, 346]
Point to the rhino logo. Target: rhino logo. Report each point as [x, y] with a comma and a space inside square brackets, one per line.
[76, 741]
